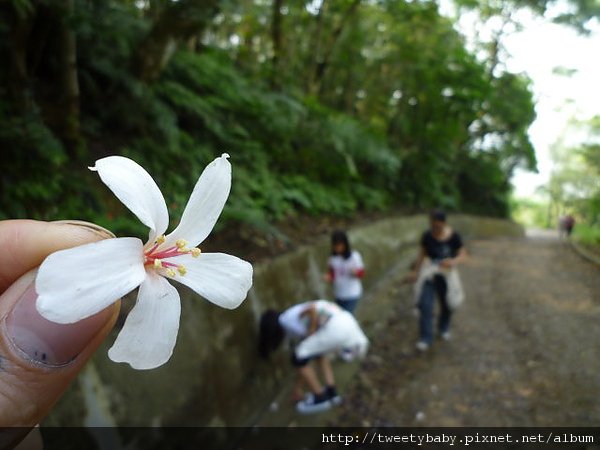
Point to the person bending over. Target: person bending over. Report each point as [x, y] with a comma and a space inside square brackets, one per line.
[317, 327]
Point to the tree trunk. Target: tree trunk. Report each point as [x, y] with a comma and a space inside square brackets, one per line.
[506, 15]
[323, 65]
[18, 71]
[69, 79]
[277, 43]
[179, 22]
[316, 48]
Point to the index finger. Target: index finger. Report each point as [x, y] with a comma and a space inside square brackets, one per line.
[26, 243]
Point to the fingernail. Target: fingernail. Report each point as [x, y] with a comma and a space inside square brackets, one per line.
[92, 227]
[42, 341]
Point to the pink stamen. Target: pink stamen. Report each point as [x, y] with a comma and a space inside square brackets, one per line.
[154, 247]
[152, 255]
[169, 264]
[170, 252]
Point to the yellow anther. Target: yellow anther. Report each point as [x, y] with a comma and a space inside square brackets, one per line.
[195, 252]
[157, 264]
[181, 243]
[161, 239]
[182, 270]
[171, 272]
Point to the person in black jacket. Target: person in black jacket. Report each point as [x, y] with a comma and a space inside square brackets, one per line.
[443, 247]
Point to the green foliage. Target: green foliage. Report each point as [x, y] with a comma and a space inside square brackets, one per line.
[23, 8]
[507, 118]
[578, 14]
[35, 151]
[369, 106]
[483, 186]
[574, 185]
[587, 234]
[530, 212]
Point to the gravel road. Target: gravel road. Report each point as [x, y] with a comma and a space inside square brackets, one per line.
[525, 349]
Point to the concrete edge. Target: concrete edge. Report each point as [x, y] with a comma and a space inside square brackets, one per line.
[584, 253]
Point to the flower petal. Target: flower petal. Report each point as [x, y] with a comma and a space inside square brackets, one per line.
[205, 204]
[78, 282]
[220, 278]
[137, 190]
[150, 330]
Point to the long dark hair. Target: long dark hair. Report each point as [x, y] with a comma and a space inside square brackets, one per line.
[340, 237]
[271, 333]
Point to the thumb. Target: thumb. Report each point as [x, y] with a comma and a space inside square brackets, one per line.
[39, 358]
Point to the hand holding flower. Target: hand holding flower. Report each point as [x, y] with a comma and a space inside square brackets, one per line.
[76, 283]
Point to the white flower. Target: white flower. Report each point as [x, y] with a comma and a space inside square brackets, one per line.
[76, 283]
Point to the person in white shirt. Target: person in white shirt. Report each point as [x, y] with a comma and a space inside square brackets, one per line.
[346, 269]
[319, 327]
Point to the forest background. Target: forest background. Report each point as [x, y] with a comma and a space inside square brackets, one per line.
[329, 109]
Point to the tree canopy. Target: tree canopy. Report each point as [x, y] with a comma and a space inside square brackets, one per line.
[574, 185]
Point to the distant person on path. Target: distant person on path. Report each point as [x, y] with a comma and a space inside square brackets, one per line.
[561, 227]
[319, 327]
[346, 269]
[565, 225]
[569, 224]
[435, 273]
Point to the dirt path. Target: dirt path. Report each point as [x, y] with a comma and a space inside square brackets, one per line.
[525, 348]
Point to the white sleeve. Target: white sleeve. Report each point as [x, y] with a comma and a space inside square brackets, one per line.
[292, 323]
[358, 261]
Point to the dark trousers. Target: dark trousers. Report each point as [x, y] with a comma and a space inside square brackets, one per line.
[426, 305]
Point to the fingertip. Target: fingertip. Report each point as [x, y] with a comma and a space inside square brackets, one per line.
[40, 358]
[87, 227]
[26, 243]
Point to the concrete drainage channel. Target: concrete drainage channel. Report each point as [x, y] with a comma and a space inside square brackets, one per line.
[585, 253]
[280, 412]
